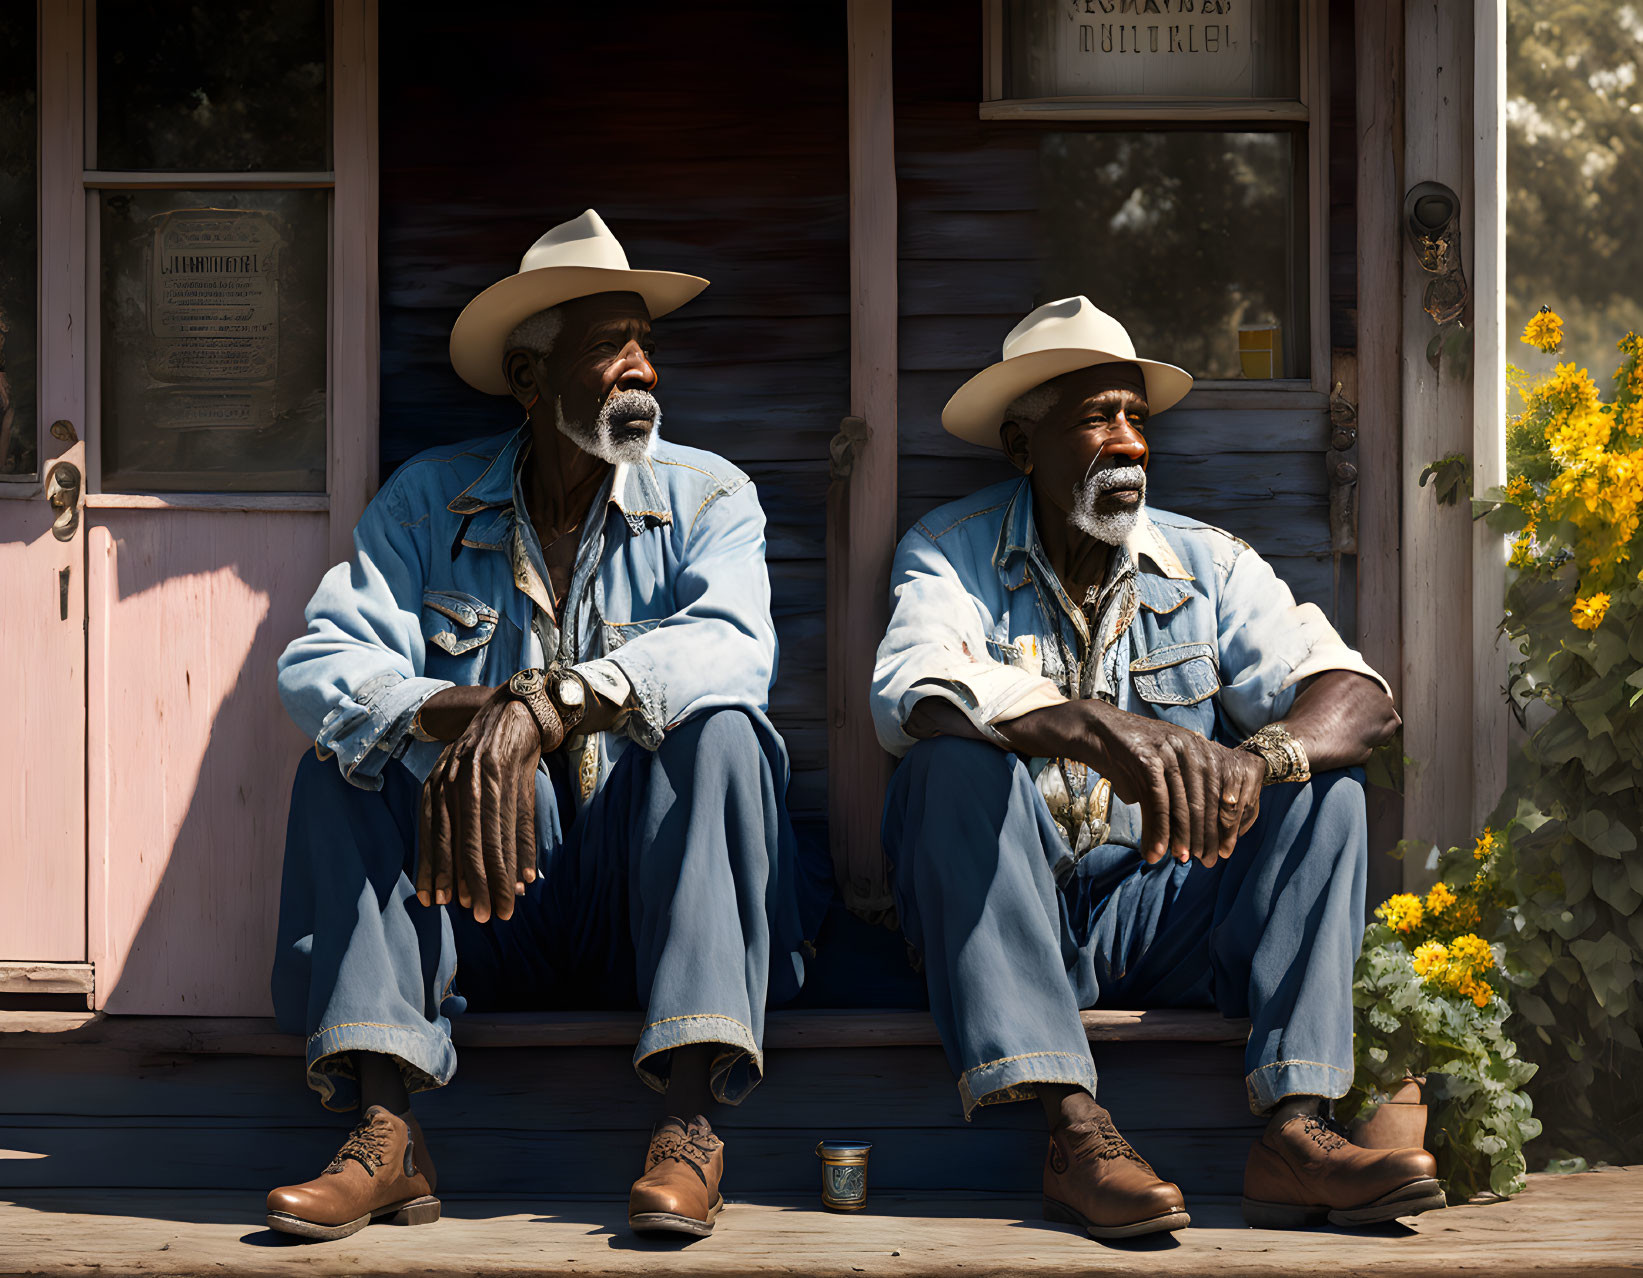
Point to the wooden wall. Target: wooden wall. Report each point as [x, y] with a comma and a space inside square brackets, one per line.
[712, 139]
[1249, 460]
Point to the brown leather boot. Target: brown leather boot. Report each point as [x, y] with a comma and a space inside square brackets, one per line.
[382, 1172]
[679, 1192]
[1094, 1178]
[1307, 1171]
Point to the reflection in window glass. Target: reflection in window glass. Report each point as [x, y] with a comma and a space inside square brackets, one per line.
[213, 340]
[19, 242]
[1195, 241]
[1131, 48]
[212, 87]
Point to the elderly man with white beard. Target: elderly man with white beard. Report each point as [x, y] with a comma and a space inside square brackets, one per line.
[541, 686]
[1129, 778]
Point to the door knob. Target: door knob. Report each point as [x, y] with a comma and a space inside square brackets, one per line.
[63, 492]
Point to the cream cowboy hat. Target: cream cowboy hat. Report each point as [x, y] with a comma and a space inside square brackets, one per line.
[1057, 338]
[576, 259]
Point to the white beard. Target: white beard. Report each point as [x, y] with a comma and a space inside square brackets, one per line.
[1109, 527]
[599, 440]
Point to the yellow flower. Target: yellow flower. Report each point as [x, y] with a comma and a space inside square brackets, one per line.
[1472, 952]
[1485, 845]
[1401, 913]
[1439, 899]
[1431, 959]
[1587, 613]
[1544, 330]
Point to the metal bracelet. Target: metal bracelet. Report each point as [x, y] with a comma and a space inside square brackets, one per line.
[1284, 756]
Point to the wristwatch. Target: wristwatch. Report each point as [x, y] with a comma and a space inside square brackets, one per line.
[531, 687]
[570, 695]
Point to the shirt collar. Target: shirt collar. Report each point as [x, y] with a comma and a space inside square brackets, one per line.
[634, 489]
[1018, 539]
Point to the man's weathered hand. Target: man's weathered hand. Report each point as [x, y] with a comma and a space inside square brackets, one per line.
[478, 820]
[1196, 797]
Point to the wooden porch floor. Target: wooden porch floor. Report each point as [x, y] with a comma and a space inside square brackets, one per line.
[1589, 1224]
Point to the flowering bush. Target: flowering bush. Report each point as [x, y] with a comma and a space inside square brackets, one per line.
[1567, 828]
[1430, 999]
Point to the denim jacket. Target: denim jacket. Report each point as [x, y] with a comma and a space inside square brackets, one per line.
[669, 602]
[1216, 643]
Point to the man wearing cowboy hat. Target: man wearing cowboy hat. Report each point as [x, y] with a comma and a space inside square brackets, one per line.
[1125, 780]
[541, 686]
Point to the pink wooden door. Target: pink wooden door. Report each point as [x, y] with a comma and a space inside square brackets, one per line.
[42, 570]
[205, 313]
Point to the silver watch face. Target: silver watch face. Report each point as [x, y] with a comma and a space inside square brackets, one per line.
[570, 692]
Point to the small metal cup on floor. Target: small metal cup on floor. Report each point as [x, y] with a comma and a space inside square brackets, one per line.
[844, 1174]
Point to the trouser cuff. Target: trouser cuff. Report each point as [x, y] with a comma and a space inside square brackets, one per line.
[1271, 1083]
[1012, 1078]
[737, 1067]
[427, 1059]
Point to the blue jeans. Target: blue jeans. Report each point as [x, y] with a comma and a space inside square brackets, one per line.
[1010, 957]
[678, 890]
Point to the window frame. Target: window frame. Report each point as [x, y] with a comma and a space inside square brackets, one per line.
[352, 340]
[1308, 112]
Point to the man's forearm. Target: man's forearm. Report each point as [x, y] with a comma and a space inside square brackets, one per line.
[1058, 731]
[1339, 717]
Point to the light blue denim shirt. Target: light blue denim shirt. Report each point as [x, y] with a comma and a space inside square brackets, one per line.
[1216, 642]
[669, 601]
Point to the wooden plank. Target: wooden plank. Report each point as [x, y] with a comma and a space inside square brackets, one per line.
[862, 500]
[45, 978]
[962, 1157]
[353, 398]
[1315, 64]
[208, 501]
[190, 752]
[42, 780]
[1491, 719]
[783, 1030]
[1563, 1225]
[1378, 36]
[1438, 665]
[1192, 110]
[596, 1088]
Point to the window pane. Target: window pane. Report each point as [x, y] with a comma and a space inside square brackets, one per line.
[19, 243]
[212, 87]
[1194, 240]
[1167, 48]
[213, 340]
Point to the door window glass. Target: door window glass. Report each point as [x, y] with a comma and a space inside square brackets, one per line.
[212, 87]
[1138, 48]
[19, 243]
[1196, 238]
[214, 340]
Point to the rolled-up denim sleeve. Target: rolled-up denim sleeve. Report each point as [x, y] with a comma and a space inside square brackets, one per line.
[1269, 643]
[353, 681]
[717, 650]
[936, 646]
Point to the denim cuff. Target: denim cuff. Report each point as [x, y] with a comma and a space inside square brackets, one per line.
[1271, 1083]
[426, 1058]
[736, 1071]
[365, 731]
[646, 723]
[1011, 1078]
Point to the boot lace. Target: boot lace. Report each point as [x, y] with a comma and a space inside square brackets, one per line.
[1099, 1139]
[366, 1145]
[1324, 1132]
[692, 1146]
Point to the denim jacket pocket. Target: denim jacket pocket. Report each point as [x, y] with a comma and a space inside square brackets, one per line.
[456, 623]
[1182, 674]
[618, 633]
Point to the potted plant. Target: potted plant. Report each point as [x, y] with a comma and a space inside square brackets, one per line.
[1431, 1003]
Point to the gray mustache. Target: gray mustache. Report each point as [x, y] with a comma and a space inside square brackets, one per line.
[1104, 481]
[629, 404]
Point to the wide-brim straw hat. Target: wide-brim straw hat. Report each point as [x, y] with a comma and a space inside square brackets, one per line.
[1059, 337]
[576, 259]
